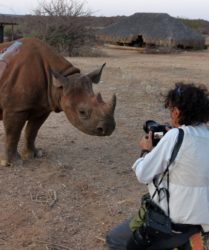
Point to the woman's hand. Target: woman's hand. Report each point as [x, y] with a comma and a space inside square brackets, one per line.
[146, 142]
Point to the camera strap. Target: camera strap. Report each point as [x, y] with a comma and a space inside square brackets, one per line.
[166, 172]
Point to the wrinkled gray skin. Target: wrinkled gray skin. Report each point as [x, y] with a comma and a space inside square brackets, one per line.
[85, 110]
[72, 94]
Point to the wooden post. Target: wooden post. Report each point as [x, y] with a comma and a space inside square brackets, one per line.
[1, 33]
[12, 32]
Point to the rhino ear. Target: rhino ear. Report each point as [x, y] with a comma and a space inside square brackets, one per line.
[58, 81]
[96, 74]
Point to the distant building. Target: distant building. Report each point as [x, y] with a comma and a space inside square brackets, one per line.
[152, 30]
[6, 20]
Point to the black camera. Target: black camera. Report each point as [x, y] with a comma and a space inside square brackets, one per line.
[158, 130]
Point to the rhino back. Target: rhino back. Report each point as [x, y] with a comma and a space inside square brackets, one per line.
[27, 74]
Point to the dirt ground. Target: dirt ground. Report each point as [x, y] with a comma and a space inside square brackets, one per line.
[84, 185]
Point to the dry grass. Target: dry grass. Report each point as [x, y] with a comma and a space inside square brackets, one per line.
[84, 185]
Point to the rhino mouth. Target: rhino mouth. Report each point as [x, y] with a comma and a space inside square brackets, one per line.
[105, 128]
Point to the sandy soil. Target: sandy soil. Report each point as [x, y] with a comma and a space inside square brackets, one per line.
[84, 185]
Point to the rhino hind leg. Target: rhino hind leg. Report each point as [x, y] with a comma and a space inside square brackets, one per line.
[31, 131]
[13, 124]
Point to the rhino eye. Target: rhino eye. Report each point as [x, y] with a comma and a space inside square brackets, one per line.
[84, 113]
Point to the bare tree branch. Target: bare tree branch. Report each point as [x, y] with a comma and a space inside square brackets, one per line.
[60, 23]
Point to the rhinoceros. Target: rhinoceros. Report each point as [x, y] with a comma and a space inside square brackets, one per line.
[34, 81]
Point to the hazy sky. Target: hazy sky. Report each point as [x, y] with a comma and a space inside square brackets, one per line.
[178, 8]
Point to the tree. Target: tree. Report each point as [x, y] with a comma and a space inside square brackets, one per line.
[61, 8]
[61, 23]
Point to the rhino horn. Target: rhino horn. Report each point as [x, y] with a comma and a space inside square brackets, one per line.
[112, 104]
[99, 98]
[96, 74]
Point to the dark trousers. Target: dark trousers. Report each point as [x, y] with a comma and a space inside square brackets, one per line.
[119, 237]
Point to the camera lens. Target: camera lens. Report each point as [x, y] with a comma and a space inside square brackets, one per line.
[148, 125]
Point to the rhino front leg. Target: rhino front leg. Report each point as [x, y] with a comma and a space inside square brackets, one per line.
[31, 131]
[13, 124]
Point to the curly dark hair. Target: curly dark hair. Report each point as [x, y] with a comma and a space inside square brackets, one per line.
[191, 100]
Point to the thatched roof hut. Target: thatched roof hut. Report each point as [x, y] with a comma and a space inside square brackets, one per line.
[152, 29]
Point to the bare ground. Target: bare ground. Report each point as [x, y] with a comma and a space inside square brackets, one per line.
[84, 185]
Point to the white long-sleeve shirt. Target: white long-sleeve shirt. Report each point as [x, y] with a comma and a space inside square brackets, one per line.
[189, 174]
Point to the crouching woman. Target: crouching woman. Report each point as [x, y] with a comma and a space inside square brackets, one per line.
[188, 105]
